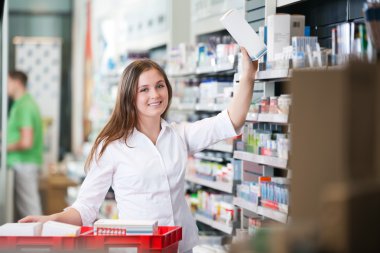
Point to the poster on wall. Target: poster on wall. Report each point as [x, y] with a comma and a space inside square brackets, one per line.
[40, 58]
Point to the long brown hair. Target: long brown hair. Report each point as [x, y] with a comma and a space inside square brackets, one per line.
[124, 116]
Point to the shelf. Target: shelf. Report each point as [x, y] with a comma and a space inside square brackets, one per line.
[208, 158]
[227, 69]
[272, 74]
[245, 204]
[222, 147]
[183, 107]
[215, 224]
[268, 117]
[267, 212]
[220, 186]
[266, 160]
[282, 3]
[148, 42]
[199, 107]
[273, 214]
[210, 107]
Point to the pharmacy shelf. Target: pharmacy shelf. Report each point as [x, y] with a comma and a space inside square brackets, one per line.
[220, 186]
[272, 74]
[208, 158]
[210, 107]
[272, 214]
[215, 224]
[148, 42]
[221, 147]
[266, 160]
[268, 117]
[282, 3]
[242, 203]
[267, 212]
[225, 69]
[183, 107]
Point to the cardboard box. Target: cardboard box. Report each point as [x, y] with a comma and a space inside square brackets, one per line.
[335, 132]
[53, 189]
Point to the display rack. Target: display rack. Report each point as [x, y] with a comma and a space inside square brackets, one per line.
[250, 206]
[273, 214]
[209, 158]
[220, 186]
[265, 160]
[264, 211]
[268, 117]
[273, 75]
[221, 147]
[215, 224]
[210, 107]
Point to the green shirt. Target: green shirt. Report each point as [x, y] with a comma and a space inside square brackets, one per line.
[25, 114]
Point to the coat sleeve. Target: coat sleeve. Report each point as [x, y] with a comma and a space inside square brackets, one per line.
[94, 188]
[203, 133]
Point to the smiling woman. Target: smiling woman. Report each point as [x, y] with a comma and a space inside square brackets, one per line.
[144, 158]
[151, 101]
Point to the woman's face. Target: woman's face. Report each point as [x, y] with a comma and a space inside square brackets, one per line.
[152, 94]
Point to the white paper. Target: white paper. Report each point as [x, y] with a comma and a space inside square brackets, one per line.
[21, 229]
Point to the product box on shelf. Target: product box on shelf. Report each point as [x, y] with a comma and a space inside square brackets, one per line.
[281, 28]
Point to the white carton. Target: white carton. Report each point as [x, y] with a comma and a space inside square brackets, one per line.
[243, 33]
[281, 28]
[21, 229]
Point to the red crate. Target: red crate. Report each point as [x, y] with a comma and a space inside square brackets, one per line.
[166, 241]
[28, 243]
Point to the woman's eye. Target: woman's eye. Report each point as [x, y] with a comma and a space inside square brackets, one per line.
[144, 90]
[160, 85]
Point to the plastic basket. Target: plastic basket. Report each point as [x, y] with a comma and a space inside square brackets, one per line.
[165, 240]
[37, 243]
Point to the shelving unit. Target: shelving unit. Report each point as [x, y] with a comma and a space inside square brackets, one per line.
[265, 160]
[221, 147]
[273, 214]
[210, 107]
[215, 224]
[220, 186]
[264, 211]
[268, 117]
[242, 203]
[275, 74]
[208, 158]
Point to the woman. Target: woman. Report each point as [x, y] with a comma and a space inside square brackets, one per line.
[144, 158]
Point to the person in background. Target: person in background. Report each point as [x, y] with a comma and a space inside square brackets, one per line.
[24, 145]
[144, 158]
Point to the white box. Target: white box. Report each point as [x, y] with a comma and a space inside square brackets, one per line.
[281, 28]
[54, 228]
[243, 33]
[21, 229]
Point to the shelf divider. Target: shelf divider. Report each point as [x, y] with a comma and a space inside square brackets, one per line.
[215, 224]
[266, 160]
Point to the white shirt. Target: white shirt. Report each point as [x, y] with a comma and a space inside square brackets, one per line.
[148, 180]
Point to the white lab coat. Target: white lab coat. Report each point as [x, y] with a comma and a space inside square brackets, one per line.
[148, 180]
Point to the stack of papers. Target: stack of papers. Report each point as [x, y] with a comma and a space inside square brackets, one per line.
[21, 229]
[53, 228]
[125, 227]
[50, 228]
